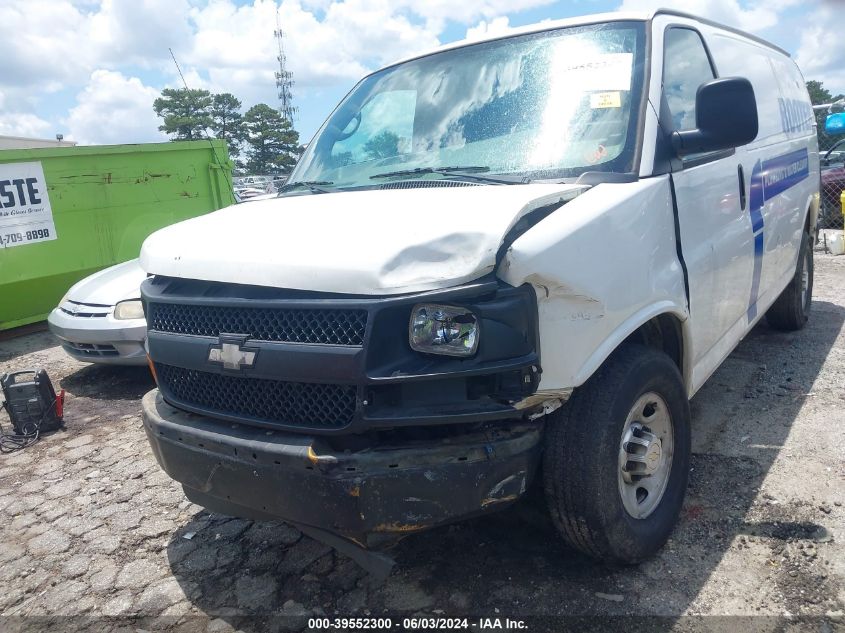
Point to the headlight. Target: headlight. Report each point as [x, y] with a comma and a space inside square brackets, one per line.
[132, 309]
[438, 329]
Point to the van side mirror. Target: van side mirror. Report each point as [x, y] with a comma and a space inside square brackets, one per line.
[835, 124]
[725, 117]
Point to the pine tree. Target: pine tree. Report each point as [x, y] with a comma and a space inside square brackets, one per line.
[272, 144]
[185, 113]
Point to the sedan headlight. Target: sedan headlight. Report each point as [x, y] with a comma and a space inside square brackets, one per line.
[439, 329]
[132, 309]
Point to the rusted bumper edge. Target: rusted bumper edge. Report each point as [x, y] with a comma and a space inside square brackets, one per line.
[369, 496]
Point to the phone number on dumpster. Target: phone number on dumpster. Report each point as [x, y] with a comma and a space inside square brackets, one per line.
[24, 237]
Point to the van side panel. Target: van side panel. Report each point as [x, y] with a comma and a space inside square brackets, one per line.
[753, 248]
[601, 266]
[783, 160]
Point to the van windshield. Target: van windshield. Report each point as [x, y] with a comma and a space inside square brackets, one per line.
[540, 106]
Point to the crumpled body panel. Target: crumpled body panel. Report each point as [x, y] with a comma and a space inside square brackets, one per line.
[601, 267]
[376, 242]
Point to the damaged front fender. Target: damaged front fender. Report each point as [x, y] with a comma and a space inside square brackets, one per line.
[600, 268]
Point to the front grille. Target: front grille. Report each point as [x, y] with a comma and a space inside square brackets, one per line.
[290, 325]
[86, 311]
[306, 405]
[90, 350]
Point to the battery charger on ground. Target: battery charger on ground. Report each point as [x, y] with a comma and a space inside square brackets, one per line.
[33, 407]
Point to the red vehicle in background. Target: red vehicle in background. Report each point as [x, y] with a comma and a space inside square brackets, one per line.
[833, 183]
[833, 172]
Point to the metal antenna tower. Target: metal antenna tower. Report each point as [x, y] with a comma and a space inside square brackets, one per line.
[284, 78]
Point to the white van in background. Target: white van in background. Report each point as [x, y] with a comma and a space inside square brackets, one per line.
[503, 260]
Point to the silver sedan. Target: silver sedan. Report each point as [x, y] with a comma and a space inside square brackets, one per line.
[101, 320]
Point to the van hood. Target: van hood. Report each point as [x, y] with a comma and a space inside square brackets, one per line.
[110, 285]
[372, 242]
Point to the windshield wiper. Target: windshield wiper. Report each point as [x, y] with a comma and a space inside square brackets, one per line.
[470, 171]
[314, 186]
[432, 170]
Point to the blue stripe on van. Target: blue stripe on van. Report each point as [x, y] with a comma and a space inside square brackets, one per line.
[769, 179]
[784, 172]
[755, 279]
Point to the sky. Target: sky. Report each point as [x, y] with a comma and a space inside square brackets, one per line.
[90, 69]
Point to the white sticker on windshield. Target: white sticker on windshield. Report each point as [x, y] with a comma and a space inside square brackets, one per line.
[611, 71]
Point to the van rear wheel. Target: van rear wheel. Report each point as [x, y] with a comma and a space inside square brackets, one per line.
[791, 309]
[617, 455]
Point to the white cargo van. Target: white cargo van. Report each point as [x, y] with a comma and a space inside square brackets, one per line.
[498, 262]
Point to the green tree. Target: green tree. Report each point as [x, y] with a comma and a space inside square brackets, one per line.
[185, 113]
[226, 119]
[382, 145]
[820, 95]
[271, 143]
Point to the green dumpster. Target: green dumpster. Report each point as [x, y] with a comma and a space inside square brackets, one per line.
[67, 212]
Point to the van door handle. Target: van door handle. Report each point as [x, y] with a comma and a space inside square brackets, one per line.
[741, 175]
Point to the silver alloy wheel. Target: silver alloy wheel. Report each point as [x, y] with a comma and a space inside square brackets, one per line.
[645, 455]
[805, 278]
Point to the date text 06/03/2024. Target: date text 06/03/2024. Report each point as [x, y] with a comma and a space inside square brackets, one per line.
[416, 624]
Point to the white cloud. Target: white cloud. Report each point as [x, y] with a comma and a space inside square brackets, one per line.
[63, 41]
[139, 32]
[113, 108]
[496, 26]
[24, 124]
[42, 33]
[58, 44]
[822, 48]
[753, 17]
[436, 12]
[236, 45]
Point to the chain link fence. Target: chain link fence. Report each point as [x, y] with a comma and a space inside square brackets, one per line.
[832, 151]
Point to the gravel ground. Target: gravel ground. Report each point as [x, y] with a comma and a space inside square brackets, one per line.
[92, 528]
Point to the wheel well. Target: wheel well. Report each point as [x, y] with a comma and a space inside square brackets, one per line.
[664, 333]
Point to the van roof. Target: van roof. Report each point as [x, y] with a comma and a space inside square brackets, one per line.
[596, 18]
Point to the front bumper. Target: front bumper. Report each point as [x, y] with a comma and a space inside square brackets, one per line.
[101, 338]
[370, 496]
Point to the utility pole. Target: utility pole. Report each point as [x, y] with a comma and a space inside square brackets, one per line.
[284, 79]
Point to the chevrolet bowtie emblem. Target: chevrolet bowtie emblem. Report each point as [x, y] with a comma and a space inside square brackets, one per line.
[232, 354]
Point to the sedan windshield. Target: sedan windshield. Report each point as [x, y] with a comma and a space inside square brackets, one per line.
[546, 105]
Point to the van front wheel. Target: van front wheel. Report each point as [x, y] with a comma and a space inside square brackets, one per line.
[617, 456]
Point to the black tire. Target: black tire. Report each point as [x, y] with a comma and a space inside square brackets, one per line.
[581, 458]
[791, 309]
